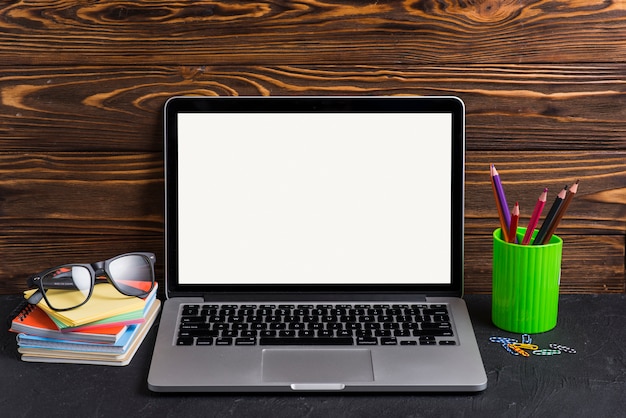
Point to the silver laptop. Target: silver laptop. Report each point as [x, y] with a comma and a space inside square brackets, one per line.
[314, 244]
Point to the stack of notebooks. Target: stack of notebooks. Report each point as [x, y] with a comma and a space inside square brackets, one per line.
[107, 330]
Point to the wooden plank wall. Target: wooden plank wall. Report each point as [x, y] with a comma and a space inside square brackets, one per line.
[82, 85]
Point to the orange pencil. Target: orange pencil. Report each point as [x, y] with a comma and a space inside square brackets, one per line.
[514, 222]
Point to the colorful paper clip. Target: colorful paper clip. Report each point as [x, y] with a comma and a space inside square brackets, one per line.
[563, 348]
[502, 340]
[546, 352]
[510, 350]
[526, 346]
[518, 350]
[526, 339]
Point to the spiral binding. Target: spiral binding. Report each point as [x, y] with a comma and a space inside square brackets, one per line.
[20, 312]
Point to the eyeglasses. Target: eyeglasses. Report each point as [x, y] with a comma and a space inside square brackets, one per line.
[71, 285]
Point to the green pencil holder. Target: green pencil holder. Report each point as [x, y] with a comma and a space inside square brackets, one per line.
[526, 278]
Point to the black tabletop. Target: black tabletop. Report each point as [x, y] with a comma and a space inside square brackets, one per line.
[591, 381]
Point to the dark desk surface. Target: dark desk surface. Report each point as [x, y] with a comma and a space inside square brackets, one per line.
[591, 381]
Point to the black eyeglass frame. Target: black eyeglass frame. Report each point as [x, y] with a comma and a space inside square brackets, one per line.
[99, 273]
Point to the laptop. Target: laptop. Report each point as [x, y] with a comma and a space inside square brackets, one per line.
[314, 244]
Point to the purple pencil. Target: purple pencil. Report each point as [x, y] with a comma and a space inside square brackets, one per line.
[501, 197]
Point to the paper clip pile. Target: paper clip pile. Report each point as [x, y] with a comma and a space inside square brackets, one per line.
[517, 348]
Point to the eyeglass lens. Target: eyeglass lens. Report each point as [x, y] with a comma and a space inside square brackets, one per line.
[67, 287]
[132, 274]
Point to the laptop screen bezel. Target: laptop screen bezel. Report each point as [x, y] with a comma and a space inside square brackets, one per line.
[407, 104]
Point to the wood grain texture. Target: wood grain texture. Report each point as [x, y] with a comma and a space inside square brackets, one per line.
[312, 31]
[524, 107]
[82, 193]
[83, 83]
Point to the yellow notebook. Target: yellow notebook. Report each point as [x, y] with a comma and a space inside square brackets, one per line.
[105, 302]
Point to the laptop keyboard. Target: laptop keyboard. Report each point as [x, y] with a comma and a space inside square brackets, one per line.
[315, 324]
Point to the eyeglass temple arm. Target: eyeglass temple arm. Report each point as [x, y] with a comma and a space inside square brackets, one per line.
[60, 282]
[35, 297]
[33, 281]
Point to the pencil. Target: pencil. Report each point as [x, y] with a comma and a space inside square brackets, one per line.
[503, 208]
[550, 217]
[572, 191]
[514, 221]
[534, 218]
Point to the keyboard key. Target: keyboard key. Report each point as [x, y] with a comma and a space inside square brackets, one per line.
[433, 332]
[388, 341]
[367, 341]
[184, 341]
[198, 333]
[439, 311]
[204, 341]
[245, 341]
[427, 340]
[436, 325]
[306, 341]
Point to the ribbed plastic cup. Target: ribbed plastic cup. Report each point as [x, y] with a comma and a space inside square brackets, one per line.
[526, 278]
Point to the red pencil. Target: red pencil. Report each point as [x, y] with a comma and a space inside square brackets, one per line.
[514, 222]
[534, 218]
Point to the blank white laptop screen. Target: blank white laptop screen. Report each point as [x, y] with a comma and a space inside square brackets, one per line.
[314, 198]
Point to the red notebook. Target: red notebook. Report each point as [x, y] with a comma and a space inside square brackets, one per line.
[34, 321]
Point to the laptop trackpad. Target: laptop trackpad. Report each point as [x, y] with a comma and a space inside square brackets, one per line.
[317, 366]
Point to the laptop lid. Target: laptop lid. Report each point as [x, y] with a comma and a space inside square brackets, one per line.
[314, 195]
